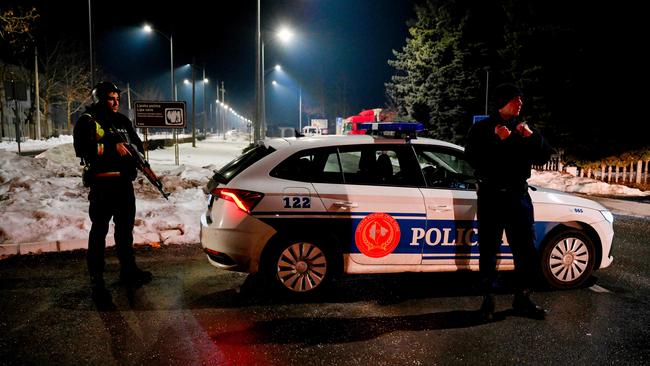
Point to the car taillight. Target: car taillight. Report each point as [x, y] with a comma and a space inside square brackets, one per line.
[245, 200]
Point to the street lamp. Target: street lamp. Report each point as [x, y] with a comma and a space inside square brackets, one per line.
[148, 29]
[284, 35]
[299, 89]
[205, 115]
[193, 83]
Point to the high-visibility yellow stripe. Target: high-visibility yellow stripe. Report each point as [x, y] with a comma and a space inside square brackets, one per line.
[99, 131]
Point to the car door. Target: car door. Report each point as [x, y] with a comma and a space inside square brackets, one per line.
[377, 202]
[451, 237]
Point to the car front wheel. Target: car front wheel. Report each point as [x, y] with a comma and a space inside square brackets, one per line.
[568, 259]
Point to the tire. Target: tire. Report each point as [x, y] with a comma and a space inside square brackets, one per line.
[568, 259]
[300, 267]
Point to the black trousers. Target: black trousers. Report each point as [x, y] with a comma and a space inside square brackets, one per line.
[512, 212]
[111, 198]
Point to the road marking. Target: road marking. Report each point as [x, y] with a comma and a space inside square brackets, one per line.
[599, 289]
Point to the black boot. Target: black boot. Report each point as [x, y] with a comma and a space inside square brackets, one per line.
[100, 295]
[522, 305]
[135, 277]
[487, 308]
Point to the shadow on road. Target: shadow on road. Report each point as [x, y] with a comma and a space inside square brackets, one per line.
[382, 289]
[327, 330]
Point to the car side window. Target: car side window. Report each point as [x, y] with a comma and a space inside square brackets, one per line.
[378, 165]
[445, 168]
[315, 165]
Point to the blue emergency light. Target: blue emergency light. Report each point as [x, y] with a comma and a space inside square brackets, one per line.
[392, 126]
[401, 130]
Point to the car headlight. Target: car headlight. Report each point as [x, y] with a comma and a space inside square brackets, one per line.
[608, 216]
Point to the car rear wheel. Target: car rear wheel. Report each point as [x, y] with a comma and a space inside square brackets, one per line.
[301, 267]
[568, 259]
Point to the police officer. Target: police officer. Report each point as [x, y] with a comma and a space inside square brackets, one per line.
[502, 149]
[100, 135]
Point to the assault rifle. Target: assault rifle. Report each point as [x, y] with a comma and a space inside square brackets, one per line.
[142, 164]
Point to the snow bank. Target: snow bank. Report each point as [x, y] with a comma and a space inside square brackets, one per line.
[569, 183]
[43, 199]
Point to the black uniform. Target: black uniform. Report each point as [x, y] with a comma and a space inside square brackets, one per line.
[111, 191]
[502, 168]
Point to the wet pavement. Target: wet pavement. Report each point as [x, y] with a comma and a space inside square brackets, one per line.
[194, 314]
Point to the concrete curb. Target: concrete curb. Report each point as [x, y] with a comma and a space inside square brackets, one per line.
[40, 247]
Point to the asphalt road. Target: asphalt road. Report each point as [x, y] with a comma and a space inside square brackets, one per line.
[194, 314]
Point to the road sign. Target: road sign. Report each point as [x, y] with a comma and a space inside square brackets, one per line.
[160, 114]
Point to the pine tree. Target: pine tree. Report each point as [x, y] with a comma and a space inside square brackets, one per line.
[437, 81]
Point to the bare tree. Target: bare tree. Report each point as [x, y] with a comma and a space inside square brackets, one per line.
[15, 26]
[15, 30]
[65, 80]
[74, 87]
[50, 81]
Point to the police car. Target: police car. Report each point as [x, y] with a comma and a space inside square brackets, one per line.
[303, 210]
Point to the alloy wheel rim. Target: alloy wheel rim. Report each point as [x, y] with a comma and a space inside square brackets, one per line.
[302, 267]
[569, 259]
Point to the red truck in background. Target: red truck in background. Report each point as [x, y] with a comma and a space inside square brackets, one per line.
[351, 124]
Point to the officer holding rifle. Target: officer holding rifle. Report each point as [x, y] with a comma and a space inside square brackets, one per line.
[102, 137]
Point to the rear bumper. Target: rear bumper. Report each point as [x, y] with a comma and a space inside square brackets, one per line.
[235, 247]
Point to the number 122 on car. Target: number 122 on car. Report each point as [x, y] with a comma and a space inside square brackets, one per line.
[296, 202]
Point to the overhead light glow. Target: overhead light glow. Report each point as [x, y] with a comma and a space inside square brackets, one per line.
[285, 34]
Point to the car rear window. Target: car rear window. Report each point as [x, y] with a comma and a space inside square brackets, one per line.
[315, 165]
[239, 164]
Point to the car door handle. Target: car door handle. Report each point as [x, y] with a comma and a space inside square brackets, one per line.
[440, 208]
[346, 204]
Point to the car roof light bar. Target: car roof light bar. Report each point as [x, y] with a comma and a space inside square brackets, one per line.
[405, 130]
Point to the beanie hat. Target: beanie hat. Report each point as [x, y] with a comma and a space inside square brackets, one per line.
[504, 93]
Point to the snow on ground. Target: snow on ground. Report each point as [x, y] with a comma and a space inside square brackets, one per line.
[42, 198]
[32, 145]
[569, 183]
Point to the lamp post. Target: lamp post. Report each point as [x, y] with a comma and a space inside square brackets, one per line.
[205, 115]
[284, 35]
[205, 81]
[259, 78]
[299, 90]
[147, 28]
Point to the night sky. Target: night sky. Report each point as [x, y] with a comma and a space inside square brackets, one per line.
[337, 42]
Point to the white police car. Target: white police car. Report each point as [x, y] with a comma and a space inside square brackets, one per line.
[301, 210]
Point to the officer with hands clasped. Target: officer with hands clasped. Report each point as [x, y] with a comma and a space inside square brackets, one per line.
[100, 136]
[502, 149]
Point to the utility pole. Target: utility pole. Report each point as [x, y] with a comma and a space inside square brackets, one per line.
[193, 106]
[90, 36]
[258, 80]
[17, 122]
[223, 115]
[205, 114]
[487, 82]
[37, 96]
[299, 108]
